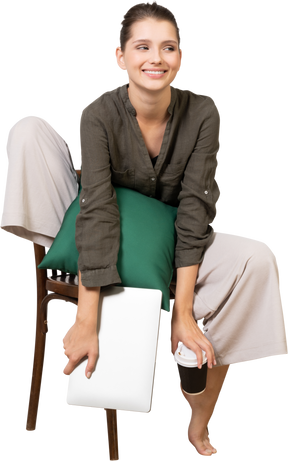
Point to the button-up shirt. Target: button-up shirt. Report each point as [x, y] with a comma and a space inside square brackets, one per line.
[114, 153]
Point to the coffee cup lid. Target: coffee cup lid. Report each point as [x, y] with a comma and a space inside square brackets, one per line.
[186, 357]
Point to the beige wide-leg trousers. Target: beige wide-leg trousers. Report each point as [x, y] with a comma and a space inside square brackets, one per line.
[41, 181]
[237, 295]
[237, 288]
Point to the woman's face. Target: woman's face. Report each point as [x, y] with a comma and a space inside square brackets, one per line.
[151, 57]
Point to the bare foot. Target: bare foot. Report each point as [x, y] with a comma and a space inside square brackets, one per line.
[198, 430]
[200, 440]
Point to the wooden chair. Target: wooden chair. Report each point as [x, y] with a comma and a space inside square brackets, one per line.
[49, 287]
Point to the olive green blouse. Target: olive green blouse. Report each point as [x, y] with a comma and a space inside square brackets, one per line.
[114, 153]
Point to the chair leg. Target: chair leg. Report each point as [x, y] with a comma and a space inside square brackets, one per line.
[112, 433]
[39, 351]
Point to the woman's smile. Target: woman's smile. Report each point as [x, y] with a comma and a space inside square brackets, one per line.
[154, 73]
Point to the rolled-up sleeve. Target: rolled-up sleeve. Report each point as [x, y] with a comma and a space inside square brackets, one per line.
[199, 194]
[97, 235]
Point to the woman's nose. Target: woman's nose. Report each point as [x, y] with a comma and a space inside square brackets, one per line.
[155, 57]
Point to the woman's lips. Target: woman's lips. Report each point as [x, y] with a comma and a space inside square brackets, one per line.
[154, 74]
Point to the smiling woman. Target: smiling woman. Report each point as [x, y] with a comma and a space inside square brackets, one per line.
[162, 142]
[140, 23]
[151, 56]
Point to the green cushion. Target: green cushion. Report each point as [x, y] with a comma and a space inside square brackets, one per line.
[147, 242]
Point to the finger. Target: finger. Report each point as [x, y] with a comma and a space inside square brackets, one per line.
[67, 367]
[174, 348]
[213, 360]
[193, 346]
[92, 359]
[174, 345]
[64, 370]
[209, 354]
[199, 357]
[207, 347]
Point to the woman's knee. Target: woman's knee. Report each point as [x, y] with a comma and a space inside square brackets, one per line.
[28, 124]
[29, 136]
[261, 258]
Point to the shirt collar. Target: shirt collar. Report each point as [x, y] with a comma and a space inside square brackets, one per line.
[132, 110]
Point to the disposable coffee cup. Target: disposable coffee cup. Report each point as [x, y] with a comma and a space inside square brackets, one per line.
[193, 379]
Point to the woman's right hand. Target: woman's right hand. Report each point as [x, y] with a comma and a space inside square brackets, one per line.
[79, 341]
[185, 329]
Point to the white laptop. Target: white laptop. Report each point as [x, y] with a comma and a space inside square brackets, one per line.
[128, 326]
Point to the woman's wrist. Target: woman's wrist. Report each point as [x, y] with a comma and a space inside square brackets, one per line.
[182, 308]
[88, 300]
[186, 278]
[87, 313]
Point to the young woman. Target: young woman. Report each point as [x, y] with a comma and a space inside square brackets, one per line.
[162, 142]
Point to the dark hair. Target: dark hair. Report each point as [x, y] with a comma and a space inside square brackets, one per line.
[143, 11]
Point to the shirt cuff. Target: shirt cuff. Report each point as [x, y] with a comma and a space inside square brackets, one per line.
[100, 277]
[184, 258]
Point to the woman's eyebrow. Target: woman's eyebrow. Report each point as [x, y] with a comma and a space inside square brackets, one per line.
[149, 41]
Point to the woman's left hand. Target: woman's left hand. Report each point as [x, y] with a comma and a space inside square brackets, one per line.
[185, 329]
[81, 340]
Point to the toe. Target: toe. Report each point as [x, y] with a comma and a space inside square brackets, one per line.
[201, 451]
[209, 446]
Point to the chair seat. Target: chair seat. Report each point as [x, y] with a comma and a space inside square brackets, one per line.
[64, 284]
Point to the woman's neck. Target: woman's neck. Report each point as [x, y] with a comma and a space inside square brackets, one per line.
[151, 108]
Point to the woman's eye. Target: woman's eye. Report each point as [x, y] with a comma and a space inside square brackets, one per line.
[171, 48]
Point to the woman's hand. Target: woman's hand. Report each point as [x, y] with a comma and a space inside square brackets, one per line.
[185, 329]
[183, 326]
[81, 340]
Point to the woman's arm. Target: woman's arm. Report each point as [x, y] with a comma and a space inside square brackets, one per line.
[79, 338]
[97, 231]
[184, 328]
[199, 193]
[88, 300]
[186, 279]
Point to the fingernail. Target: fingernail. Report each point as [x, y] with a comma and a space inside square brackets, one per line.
[89, 374]
[208, 451]
[215, 363]
[200, 366]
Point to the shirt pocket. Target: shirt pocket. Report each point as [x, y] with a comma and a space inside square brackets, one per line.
[123, 178]
[170, 181]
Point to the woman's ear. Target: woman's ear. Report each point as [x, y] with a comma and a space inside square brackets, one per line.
[182, 54]
[117, 57]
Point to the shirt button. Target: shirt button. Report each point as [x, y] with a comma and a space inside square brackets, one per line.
[83, 199]
[206, 192]
[153, 179]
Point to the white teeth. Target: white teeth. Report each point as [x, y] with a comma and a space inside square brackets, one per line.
[154, 71]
